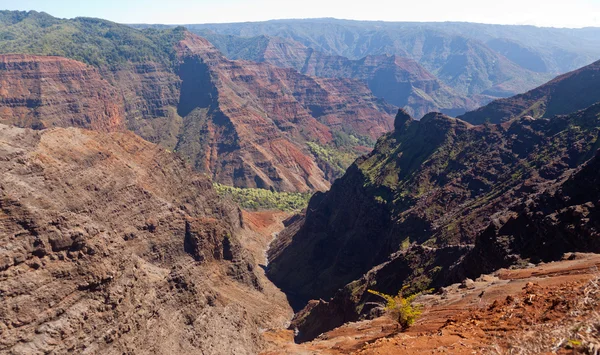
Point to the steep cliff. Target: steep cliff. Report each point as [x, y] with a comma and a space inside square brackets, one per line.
[248, 123]
[112, 245]
[565, 94]
[433, 184]
[38, 91]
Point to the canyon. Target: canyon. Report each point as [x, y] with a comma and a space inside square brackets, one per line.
[398, 80]
[117, 142]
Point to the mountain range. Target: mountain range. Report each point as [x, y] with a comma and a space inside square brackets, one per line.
[399, 80]
[473, 59]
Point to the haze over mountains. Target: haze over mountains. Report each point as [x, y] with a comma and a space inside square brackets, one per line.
[113, 238]
[473, 59]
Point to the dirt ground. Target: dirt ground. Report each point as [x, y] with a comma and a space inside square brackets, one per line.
[548, 308]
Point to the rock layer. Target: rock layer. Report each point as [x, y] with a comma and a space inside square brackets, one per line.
[247, 123]
[398, 80]
[38, 91]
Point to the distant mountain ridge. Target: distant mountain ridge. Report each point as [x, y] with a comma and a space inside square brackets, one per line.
[473, 59]
[559, 49]
[400, 81]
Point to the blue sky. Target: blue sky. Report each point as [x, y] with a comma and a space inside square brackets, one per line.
[564, 13]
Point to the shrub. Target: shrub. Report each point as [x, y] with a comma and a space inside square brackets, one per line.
[401, 308]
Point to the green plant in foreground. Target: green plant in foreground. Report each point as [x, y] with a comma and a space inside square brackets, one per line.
[401, 308]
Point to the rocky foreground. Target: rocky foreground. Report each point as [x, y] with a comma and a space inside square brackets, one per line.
[110, 244]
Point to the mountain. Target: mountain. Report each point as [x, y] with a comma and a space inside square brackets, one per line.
[408, 212]
[472, 59]
[536, 48]
[256, 118]
[110, 244]
[400, 81]
[243, 123]
[567, 93]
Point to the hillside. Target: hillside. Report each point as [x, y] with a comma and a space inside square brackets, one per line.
[112, 245]
[245, 124]
[413, 207]
[92, 41]
[567, 93]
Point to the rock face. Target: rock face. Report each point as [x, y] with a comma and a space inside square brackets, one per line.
[412, 208]
[565, 94]
[398, 80]
[112, 245]
[247, 123]
[38, 91]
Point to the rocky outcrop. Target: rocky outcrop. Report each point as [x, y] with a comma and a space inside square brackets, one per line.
[39, 92]
[565, 94]
[352, 302]
[424, 195]
[110, 244]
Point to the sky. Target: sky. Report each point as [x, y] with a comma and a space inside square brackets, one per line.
[548, 13]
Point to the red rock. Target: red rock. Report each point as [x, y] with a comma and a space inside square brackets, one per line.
[38, 91]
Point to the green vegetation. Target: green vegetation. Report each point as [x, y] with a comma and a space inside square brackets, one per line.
[342, 152]
[342, 139]
[339, 160]
[401, 308]
[93, 41]
[261, 199]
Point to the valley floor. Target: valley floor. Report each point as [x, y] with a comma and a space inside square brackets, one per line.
[547, 308]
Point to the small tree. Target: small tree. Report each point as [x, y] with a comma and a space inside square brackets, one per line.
[400, 308]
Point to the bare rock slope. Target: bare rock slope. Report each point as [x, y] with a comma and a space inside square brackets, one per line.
[110, 244]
